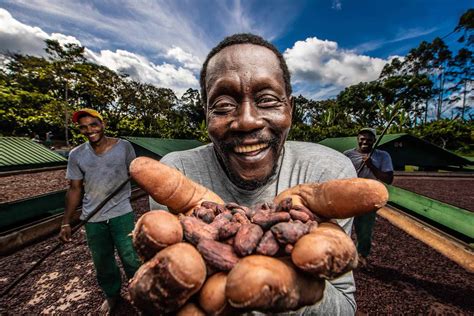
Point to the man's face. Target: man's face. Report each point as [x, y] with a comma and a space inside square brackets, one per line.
[365, 142]
[248, 112]
[92, 128]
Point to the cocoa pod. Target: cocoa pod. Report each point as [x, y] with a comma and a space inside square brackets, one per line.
[247, 238]
[154, 231]
[268, 245]
[165, 282]
[190, 309]
[272, 285]
[195, 230]
[212, 297]
[289, 232]
[266, 219]
[218, 255]
[327, 252]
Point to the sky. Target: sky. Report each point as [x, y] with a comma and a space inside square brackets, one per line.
[328, 44]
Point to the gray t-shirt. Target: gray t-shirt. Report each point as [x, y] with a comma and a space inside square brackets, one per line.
[380, 159]
[101, 175]
[299, 163]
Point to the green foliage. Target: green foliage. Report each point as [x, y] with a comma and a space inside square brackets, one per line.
[453, 135]
[38, 94]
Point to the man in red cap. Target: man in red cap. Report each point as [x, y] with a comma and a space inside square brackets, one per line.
[99, 166]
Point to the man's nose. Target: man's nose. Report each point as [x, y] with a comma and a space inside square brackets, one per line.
[247, 118]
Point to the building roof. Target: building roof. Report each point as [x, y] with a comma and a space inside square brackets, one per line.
[148, 146]
[17, 153]
[405, 150]
[344, 143]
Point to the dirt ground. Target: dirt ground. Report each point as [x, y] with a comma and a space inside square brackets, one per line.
[404, 276]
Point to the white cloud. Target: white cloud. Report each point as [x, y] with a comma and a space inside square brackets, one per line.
[324, 64]
[18, 37]
[185, 58]
[139, 68]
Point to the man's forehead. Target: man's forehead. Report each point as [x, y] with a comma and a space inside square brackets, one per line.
[249, 59]
[243, 55]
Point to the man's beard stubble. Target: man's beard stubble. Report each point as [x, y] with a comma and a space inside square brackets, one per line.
[235, 177]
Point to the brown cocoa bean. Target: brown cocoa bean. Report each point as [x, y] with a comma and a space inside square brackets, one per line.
[289, 233]
[303, 208]
[228, 230]
[284, 205]
[221, 220]
[300, 216]
[247, 238]
[196, 230]
[205, 214]
[266, 219]
[217, 208]
[240, 218]
[268, 245]
[218, 255]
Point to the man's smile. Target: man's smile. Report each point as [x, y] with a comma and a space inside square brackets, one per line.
[250, 149]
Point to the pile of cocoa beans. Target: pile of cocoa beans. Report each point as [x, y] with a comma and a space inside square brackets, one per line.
[225, 233]
[218, 259]
[222, 234]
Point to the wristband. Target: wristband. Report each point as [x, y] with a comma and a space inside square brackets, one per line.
[65, 225]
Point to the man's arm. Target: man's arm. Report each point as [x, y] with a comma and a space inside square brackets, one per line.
[73, 198]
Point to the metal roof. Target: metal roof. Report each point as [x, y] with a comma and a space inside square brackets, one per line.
[405, 150]
[18, 153]
[344, 143]
[147, 146]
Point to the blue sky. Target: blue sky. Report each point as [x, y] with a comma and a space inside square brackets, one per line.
[328, 44]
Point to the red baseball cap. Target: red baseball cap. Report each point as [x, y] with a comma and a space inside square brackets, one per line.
[86, 111]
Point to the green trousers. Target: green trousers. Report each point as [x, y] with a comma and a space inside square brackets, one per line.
[103, 238]
[363, 226]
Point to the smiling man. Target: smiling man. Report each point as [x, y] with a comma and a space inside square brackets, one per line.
[378, 167]
[99, 166]
[246, 91]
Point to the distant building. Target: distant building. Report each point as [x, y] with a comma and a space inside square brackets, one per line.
[407, 150]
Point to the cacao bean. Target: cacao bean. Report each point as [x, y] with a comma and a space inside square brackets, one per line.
[247, 238]
[218, 255]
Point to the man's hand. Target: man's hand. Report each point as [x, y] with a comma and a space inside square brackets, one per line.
[65, 233]
[368, 162]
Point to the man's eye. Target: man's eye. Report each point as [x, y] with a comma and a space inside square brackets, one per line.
[223, 107]
[268, 101]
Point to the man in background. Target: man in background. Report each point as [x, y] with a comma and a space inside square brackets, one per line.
[99, 166]
[379, 167]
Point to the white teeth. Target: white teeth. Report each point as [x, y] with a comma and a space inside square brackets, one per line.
[249, 148]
